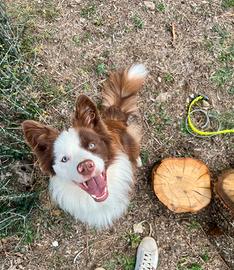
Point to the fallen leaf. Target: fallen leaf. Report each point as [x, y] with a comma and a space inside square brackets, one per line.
[55, 244]
[150, 5]
[163, 97]
[138, 228]
[56, 212]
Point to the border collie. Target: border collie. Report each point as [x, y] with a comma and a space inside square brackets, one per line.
[91, 165]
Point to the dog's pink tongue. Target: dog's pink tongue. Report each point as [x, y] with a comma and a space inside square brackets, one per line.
[96, 185]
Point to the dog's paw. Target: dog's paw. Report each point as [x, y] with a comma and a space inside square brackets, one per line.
[139, 162]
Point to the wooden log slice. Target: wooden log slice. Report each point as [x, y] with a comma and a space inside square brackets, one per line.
[223, 207]
[182, 184]
[225, 189]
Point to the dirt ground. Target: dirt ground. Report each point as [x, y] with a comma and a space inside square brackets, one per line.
[79, 43]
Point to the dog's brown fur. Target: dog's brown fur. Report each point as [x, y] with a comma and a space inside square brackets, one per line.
[41, 138]
[110, 129]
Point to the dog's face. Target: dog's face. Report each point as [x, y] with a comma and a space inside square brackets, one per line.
[80, 155]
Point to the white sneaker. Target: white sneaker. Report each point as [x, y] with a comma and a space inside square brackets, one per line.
[147, 255]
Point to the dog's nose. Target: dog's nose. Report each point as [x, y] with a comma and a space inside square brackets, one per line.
[86, 167]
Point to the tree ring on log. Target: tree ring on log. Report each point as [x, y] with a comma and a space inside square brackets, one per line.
[182, 184]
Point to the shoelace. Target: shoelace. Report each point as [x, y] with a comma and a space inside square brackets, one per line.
[147, 262]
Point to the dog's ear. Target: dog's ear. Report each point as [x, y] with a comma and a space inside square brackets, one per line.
[41, 139]
[86, 113]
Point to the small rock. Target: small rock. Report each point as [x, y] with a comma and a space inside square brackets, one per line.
[138, 228]
[23, 172]
[205, 104]
[55, 244]
[159, 79]
[150, 5]
[163, 97]
[99, 268]
[56, 212]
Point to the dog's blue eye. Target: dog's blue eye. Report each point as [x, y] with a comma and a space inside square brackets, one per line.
[64, 159]
[91, 146]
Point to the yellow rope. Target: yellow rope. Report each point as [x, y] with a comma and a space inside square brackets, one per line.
[200, 132]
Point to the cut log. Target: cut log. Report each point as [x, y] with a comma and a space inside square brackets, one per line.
[223, 206]
[182, 184]
[225, 189]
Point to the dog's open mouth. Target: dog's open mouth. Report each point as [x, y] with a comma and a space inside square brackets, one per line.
[96, 187]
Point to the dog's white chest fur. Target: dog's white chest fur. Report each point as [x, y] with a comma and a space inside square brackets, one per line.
[72, 199]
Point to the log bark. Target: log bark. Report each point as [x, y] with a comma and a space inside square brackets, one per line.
[225, 189]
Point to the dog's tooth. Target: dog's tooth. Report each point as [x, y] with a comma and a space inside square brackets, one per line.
[85, 185]
[104, 194]
[93, 196]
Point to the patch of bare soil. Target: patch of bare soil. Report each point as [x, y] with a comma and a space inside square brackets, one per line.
[80, 41]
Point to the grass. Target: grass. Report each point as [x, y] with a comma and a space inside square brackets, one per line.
[86, 37]
[222, 76]
[126, 262]
[185, 264]
[48, 90]
[222, 33]
[48, 10]
[76, 40]
[30, 234]
[194, 225]
[162, 119]
[205, 256]
[159, 120]
[168, 78]
[144, 156]
[22, 12]
[88, 12]
[16, 78]
[231, 90]
[208, 44]
[120, 261]
[123, 261]
[137, 22]
[227, 4]
[183, 127]
[16, 75]
[223, 43]
[227, 119]
[133, 239]
[110, 264]
[101, 69]
[160, 7]
[227, 54]
[86, 87]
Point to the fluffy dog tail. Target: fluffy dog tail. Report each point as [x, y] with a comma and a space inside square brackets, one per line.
[120, 91]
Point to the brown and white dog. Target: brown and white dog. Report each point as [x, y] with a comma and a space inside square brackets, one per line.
[91, 165]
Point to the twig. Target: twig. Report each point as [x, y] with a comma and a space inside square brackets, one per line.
[227, 14]
[155, 139]
[77, 255]
[173, 31]
[68, 92]
[89, 246]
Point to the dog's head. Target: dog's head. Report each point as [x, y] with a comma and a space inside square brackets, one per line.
[80, 155]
